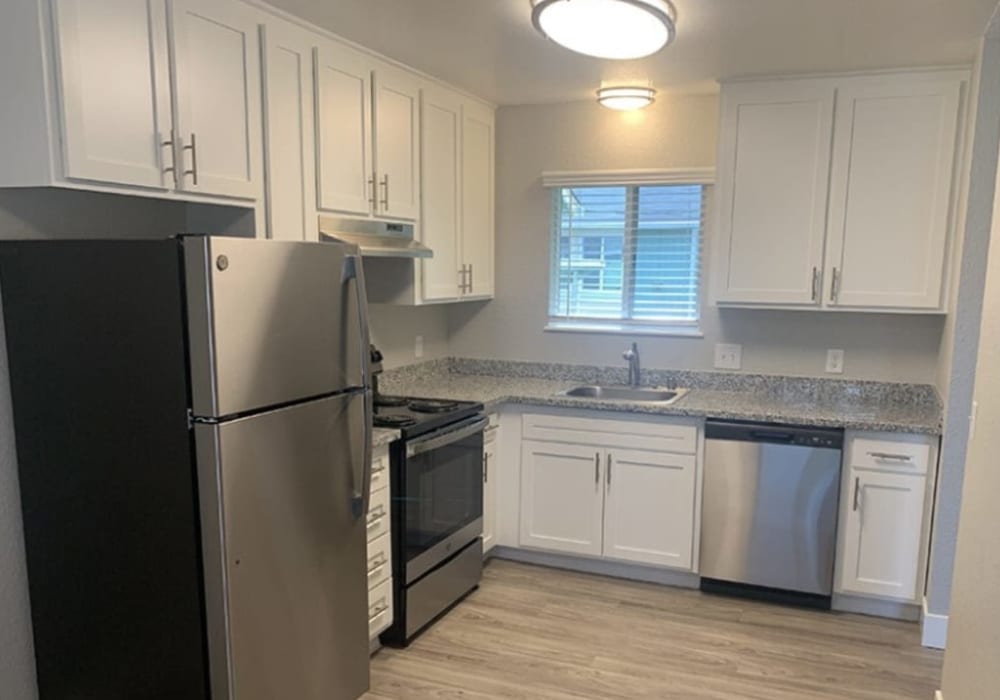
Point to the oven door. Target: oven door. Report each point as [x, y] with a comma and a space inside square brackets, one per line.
[443, 495]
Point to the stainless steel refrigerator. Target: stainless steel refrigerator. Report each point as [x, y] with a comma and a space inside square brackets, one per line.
[193, 436]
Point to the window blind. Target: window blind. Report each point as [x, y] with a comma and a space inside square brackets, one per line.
[627, 253]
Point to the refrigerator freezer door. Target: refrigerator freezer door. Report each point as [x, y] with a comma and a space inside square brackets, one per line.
[284, 551]
[272, 322]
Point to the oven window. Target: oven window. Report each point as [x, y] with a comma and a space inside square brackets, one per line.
[444, 493]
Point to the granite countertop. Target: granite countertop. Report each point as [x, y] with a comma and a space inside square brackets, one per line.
[870, 406]
[383, 436]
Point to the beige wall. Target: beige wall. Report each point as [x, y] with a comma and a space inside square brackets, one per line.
[394, 330]
[676, 132]
[971, 671]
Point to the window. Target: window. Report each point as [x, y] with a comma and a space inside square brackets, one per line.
[626, 257]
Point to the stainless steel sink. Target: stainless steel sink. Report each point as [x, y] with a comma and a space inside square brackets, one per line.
[627, 393]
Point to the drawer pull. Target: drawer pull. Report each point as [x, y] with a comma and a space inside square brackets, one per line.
[888, 456]
[376, 562]
[378, 610]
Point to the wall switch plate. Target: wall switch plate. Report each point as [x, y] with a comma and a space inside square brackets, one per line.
[835, 361]
[418, 346]
[728, 356]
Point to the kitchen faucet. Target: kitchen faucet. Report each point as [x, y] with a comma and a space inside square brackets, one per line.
[634, 369]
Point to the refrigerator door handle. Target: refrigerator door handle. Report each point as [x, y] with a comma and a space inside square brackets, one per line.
[354, 270]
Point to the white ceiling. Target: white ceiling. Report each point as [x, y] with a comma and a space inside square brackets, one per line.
[490, 48]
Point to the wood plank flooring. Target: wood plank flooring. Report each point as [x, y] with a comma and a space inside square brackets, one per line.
[532, 632]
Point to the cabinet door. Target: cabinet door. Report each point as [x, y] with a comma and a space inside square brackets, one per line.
[562, 497]
[774, 173]
[397, 143]
[343, 130]
[216, 54]
[441, 134]
[490, 465]
[114, 90]
[289, 132]
[884, 527]
[649, 511]
[477, 198]
[891, 191]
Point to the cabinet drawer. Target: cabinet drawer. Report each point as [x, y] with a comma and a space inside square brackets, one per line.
[379, 560]
[379, 608]
[890, 455]
[380, 470]
[632, 433]
[378, 514]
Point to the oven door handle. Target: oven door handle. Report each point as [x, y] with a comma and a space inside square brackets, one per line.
[436, 440]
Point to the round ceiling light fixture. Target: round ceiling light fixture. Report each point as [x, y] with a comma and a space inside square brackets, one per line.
[626, 98]
[615, 29]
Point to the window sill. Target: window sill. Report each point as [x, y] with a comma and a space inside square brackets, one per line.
[612, 328]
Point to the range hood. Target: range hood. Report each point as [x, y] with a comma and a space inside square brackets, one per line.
[375, 239]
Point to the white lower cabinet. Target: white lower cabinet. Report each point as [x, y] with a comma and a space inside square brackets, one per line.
[594, 494]
[380, 609]
[649, 507]
[562, 497]
[884, 519]
[490, 463]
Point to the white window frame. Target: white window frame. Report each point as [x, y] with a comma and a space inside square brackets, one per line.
[631, 178]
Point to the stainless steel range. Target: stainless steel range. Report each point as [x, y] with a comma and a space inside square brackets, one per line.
[437, 507]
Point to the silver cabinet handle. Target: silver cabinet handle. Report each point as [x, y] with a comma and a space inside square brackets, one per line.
[377, 562]
[461, 280]
[374, 192]
[857, 491]
[835, 285]
[597, 469]
[377, 610]
[815, 284]
[376, 515]
[171, 144]
[608, 462]
[486, 467]
[891, 457]
[193, 147]
[471, 268]
[385, 193]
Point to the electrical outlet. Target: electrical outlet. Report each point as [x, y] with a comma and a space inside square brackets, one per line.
[835, 361]
[418, 347]
[728, 356]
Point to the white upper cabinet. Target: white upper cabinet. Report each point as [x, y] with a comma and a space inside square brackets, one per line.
[441, 172]
[289, 132]
[649, 509]
[891, 190]
[775, 161]
[837, 193]
[477, 198]
[344, 130]
[397, 143]
[114, 90]
[368, 134]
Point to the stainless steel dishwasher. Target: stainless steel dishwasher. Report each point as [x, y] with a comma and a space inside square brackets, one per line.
[769, 514]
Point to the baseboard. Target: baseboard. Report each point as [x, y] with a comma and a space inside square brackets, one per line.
[935, 629]
[601, 567]
[876, 608]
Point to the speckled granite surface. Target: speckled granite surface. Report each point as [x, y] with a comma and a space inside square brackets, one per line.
[874, 406]
[383, 436]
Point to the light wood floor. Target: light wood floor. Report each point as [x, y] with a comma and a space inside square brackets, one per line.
[544, 634]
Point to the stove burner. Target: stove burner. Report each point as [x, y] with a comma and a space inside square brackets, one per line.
[432, 406]
[394, 421]
[390, 401]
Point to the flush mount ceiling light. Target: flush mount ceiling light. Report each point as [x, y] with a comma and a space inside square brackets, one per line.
[617, 29]
[626, 98]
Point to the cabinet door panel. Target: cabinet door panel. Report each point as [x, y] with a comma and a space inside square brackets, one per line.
[477, 197]
[114, 90]
[343, 130]
[891, 190]
[774, 160]
[490, 465]
[441, 131]
[397, 143]
[883, 535]
[291, 156]
[217, 73]
[562, 497]
[649, 512]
